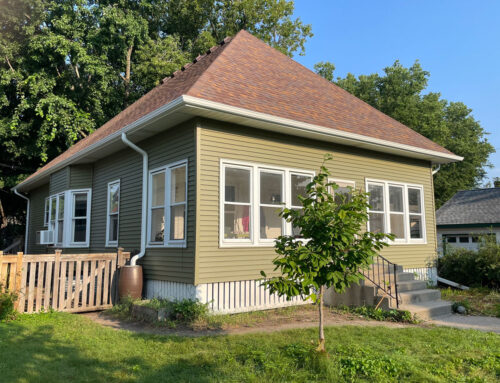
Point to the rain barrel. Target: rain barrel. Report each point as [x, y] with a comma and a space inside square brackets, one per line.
[130, 282]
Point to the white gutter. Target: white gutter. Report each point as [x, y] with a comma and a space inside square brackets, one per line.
[144, 196]
[437, 169]
[27, 219]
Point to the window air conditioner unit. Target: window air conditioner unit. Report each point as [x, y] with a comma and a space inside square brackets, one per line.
[45, 237]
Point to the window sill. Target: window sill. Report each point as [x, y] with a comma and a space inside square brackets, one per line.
[181, 245]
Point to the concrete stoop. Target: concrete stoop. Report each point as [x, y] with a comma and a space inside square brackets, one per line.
[414, 296]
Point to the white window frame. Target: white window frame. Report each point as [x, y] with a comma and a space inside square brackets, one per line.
[69, 209]
[407, 240]
[59, 241]
[167, 242]
[46, 211]
[277, 207]
[109, 214]
[255, 169]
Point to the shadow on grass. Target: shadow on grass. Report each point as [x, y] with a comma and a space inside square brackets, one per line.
[38, 355]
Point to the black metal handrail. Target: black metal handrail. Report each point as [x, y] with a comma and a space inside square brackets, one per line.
[380, 275]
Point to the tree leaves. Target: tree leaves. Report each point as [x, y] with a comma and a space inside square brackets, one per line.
[399, 94]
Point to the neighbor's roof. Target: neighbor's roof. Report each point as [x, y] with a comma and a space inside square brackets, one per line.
[478, 206]
[245, 72]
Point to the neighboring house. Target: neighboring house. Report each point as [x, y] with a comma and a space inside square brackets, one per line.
[229, 139]
[466, 216]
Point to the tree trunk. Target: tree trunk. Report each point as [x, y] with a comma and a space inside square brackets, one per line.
[321, 345]
[127, 74]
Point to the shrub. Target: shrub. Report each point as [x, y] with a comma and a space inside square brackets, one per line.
[379, 314]
[7, 301]
[473, 268]
[185, 310]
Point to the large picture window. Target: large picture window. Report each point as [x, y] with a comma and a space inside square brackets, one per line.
[396, 208]
[113, 212]
[168, 205]
[252, 197]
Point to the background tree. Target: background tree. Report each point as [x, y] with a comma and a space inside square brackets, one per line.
[68, 66]
[399, 93]
[335, 250]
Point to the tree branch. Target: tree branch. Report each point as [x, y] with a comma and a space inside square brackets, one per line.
[9, 64]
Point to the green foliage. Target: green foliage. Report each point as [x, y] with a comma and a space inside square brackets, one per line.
[399, 94]
[7, 301]
[67, 67]
[335, 248]
[379, 314]
[183, 310]
[473, 268]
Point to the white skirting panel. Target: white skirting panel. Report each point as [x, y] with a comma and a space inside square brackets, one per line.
[222, 297]
[169, 290]
[424, 274]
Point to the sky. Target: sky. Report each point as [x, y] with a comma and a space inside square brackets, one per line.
[457, 41]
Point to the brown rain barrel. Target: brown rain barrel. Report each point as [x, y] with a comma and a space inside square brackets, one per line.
[130, 283]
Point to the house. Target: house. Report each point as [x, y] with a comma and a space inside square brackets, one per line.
[190, 177]
[466, 216]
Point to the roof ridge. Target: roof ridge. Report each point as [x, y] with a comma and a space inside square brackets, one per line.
[198, 58]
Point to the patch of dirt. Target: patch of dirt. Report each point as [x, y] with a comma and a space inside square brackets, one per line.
[271, 321]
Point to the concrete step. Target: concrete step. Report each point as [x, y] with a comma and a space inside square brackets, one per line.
[404, 286]
[418, 296]
[405, 277]
[428, 310]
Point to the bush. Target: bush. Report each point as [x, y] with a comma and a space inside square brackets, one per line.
[7, 301]
[479, 268]
[185, 310]
[379, 314]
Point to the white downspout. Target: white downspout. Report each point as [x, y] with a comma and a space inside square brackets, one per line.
[27, 219]
[436, 170]
[144, 196]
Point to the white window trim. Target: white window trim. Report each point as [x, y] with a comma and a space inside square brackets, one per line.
[69, 219]
[108, 214]
[167, 242]
[255, 168]
[46, 210]
[260, 204]
[407, 240]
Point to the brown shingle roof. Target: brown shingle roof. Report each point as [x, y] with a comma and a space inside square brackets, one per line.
[245, 72]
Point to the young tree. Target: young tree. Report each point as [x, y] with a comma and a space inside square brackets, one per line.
[333, 247]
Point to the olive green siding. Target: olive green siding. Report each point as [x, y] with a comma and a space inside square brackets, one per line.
[176, 144]
[160, 263]
[59, 181]
[218, 141]
[80, 177]
[37, 206]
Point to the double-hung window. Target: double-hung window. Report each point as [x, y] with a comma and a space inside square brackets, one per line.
[396, 208]
[237, 199]
[80, 218]
[298, 184]
[168, 205]
[113, 213]
[270, 199]
[252, 197]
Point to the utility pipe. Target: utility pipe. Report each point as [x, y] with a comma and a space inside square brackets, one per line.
[436, 170]
[129, 143]
[27, 219]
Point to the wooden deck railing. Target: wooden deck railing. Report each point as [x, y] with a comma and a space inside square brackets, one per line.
[62, 282]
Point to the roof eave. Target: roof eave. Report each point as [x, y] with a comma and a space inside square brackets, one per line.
[201, 107]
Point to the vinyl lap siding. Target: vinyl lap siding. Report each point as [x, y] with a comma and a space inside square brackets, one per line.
[37, 206]
[59, 181]
[160, 263]
[80, 177]
[220, 141]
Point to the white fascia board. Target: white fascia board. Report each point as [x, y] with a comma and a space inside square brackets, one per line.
[343, 136]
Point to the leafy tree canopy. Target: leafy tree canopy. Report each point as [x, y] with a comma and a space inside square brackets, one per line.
[399, 93]
[67, 67]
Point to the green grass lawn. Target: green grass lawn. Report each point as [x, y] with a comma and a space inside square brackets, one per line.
[58, 347]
